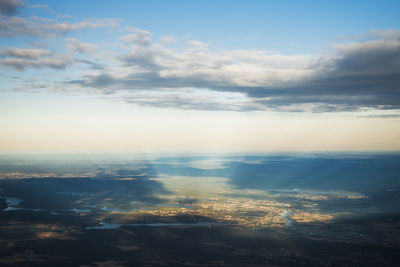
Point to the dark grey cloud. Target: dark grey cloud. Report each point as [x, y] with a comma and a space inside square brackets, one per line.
[92, 64]
[371, 57]
[9, 7]
[337, 93]
[100, 81]
[190, 99]
[144, 58]
[178, 102]
[150, 80]
[342, 93]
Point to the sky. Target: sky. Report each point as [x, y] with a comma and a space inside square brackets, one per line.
[206, 76]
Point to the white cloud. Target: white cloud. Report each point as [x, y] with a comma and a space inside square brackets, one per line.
[56, 62]
[23, 53]
[39, 27]
[20, 59]
[138, 37]
[167, 40]
[76, 46]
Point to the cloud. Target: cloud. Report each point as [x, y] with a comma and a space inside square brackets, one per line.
[189, 99]
[38, 27]
[197, 44]
[355, 75]
[96, 81]
[93, 65]
[141, 57]
[10, 7]
[142, 53]
[23, 53]
[78, 47]
[387, 34]
[369, 57]
[20, 59]
[168, 40]
[138, 37]
[57, 62]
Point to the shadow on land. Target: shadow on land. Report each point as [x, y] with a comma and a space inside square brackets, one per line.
[68, 193]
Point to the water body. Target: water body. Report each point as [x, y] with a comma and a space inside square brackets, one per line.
[105, 225]
[285, 216]
[391, 190]
[13, 204]
[316, 193]
[75, 210]
[35, 210]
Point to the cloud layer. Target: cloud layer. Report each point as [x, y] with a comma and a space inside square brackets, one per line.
[351, 76]
[356, 75]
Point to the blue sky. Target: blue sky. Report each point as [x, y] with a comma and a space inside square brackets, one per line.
[196, 70]
[285, 26]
